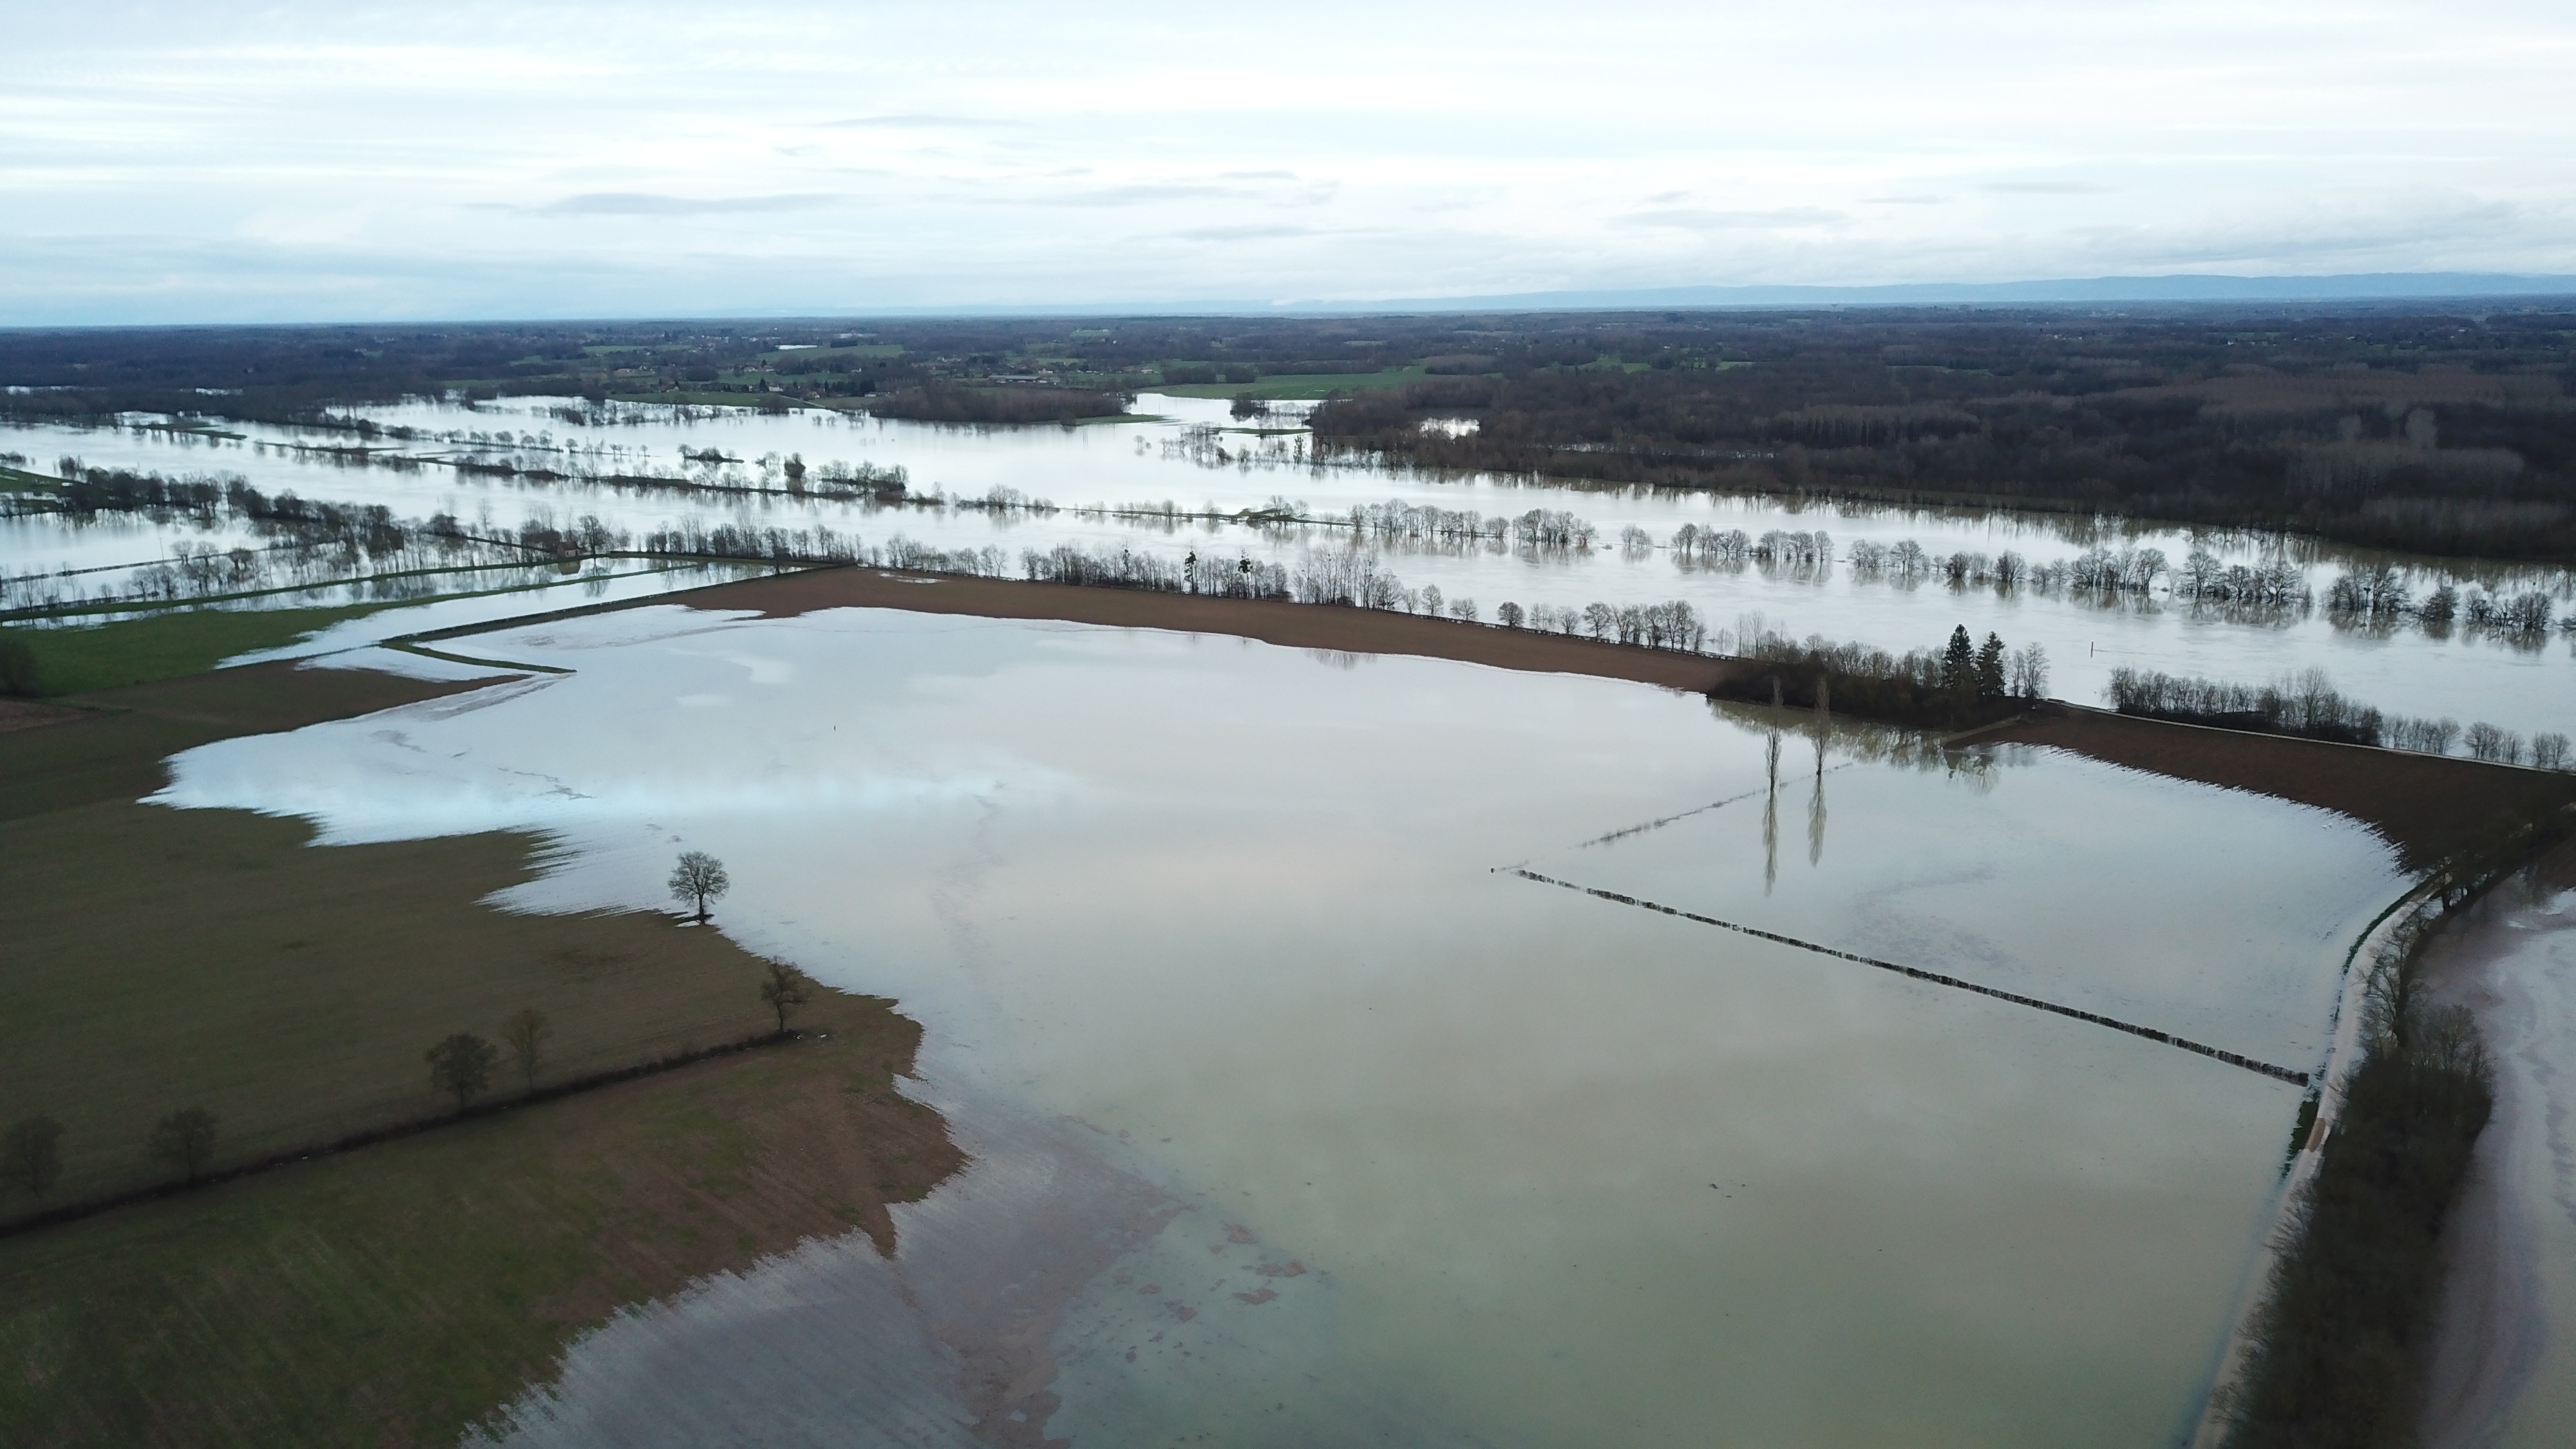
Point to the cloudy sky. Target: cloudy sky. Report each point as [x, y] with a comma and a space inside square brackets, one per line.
[296, 160]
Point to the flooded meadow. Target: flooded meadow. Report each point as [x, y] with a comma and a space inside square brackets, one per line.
[1300, 1112]
[1181, 481]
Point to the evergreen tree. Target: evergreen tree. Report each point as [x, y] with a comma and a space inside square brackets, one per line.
[1990, 668]
[1959, 662]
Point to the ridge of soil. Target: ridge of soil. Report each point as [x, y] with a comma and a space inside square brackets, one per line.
[2426, 806]
[1271, 621]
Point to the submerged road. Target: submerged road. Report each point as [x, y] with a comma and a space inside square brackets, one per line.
[2299, 1079]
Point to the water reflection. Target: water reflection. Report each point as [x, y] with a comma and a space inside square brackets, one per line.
[985, 481]
[1454, 1157]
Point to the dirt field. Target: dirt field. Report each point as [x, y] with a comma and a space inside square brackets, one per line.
[396, 1295]
[2422, 804]
[1297, 626]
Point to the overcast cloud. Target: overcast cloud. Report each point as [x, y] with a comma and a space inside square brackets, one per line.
[297, 161]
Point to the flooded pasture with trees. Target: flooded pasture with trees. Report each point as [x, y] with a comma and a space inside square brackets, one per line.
[1232, 967]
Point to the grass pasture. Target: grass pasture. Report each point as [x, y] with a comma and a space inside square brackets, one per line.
[81, 658]
[163, 959]
[398, 1294]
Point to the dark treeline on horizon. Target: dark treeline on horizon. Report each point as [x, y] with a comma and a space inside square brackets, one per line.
[2445, 427]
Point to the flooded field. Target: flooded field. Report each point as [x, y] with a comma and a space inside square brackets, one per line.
[1298, 1116]
[2507, 1376]
[1134, 485]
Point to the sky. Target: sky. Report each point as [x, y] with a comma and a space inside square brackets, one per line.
[297, 161]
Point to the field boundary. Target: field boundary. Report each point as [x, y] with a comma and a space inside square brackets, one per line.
[391, 1132]
[2233, 1059]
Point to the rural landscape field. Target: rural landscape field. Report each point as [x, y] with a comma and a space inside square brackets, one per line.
[1749, 845]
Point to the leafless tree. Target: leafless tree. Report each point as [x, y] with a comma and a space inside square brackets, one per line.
[698, 879]
[527, 1034]
[785, 989]
[186, 1140]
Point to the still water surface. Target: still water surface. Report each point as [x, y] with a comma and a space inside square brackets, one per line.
[1295, 1120]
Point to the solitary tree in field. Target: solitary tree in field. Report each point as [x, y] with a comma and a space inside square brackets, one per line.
[185, 1140]
[698, 879]
[462, 1064]
[31, 1157]
[527, 1033]
[785, 989]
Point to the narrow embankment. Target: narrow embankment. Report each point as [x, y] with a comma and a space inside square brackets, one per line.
[1296, 626]
[2428, 806]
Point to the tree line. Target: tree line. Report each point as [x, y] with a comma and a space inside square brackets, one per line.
[2307, 704]
[1962, 683]
[2435, 432]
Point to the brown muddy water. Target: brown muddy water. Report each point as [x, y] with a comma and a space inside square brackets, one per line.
[1298, 1117]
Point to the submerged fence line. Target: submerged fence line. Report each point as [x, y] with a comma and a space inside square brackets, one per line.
[2296, 1079]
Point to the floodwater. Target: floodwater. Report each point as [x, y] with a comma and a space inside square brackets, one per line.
[1298, 1117]
[2506, 1374]
[2525, 683]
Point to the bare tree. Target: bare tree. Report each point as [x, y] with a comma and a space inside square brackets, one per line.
[186, 1140]
[698, 879]
[527, 1034]
[462, 1064]
[2030, 672]
[2549, 750]
[31, 1156]
[785, 989]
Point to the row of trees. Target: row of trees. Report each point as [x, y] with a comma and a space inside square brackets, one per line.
[2378, 592]
[2382, 430]
[1962, 683]
[303, 543]
[2308, 704]
[31, 1152]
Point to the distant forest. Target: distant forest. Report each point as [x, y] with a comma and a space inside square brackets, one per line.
[2446, 428]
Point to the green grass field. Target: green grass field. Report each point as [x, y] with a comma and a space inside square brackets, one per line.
[80, 658]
